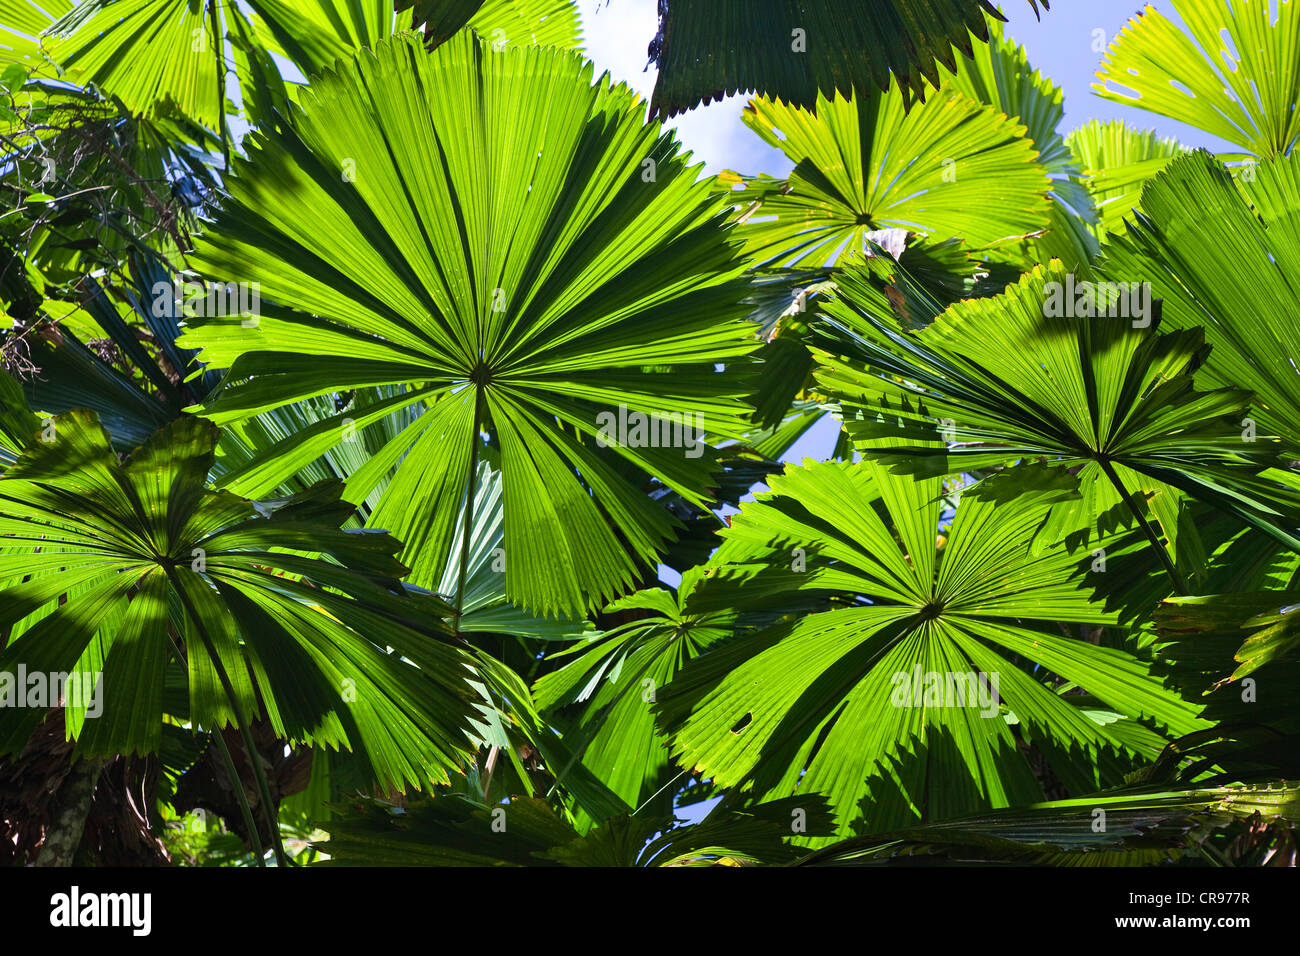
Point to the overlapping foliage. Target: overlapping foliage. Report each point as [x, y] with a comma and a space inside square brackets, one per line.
[364, 562]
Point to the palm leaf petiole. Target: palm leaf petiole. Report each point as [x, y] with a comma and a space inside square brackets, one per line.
[263, 788]
[1180, 584]
[471, 485]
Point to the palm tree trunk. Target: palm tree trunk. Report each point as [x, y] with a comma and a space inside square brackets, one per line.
[64, 835]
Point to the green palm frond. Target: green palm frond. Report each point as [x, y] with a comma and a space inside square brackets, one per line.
[161, 58]
[484, 607]
[21, 24]
[616, 676]
[1238, 653]
[115, 567]
[707, 49]
[133, 396]
[1045, 372]
[1121, 829]
[1235, 73]
[1243, 301]
[947, 167]
[17, 421]
[164, 57]
[453, 830]
[854, 701]
[999, 74]
[517, 289]
[543, 22]
[1118, 161]
[316, 33]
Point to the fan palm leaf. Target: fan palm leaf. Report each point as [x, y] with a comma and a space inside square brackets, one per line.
[828, 702]
[315, 33]
[707, 49]
[1191, 213]
[1142, 829]
[446, 831]
[159, 56]
[1235, 73]
[531, 281]
[1118, 161]
[114, 566]
[617, 675]
[1032, 375]
[21, 24]
[999, 74]
[947, 167]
